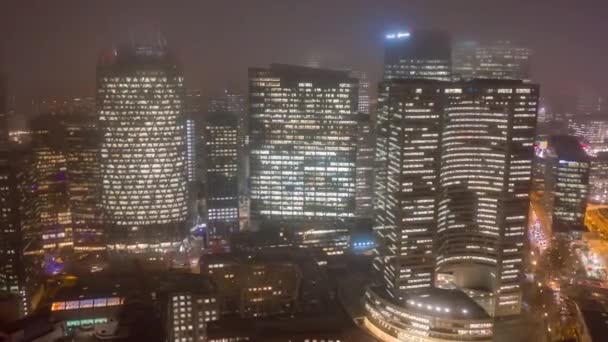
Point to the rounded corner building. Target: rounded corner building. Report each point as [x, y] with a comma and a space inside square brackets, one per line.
[140, 100]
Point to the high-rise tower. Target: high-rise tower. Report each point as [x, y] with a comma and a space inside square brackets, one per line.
[218, 155]
[486, 164]
[140, 103]
[500, 60]
[303, 143]
[418, 55]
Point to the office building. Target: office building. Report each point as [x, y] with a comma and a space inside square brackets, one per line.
[452, 203]
[233, 102]
[194, 114]
[11, 268]
[487, 148]
[363, 106]
[303, 143]
[254, 286]
[81, 149]
[407, 156]
[566, 185]
[61, 185]
[219, 159]
[418, 55]
[598, 179]
[140, 104]
[47, 218]
[464, 59]
[365, 168]
[591, 128]
[500, 60]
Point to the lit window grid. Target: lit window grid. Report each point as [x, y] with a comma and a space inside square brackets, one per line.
[143, 153]
[221, 154]
[522, 117]
[496, 162]
[303, 160]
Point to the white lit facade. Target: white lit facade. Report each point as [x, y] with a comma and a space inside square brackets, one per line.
[409, 128]
[303, 143]
[485, 178]
[365, 167]
[143, 151]
[454, 166]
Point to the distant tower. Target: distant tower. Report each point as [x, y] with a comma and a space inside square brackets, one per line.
[303, 143]
[566, 185]
[500, 60]
[418, 55]
[363, 91]
[140, 103]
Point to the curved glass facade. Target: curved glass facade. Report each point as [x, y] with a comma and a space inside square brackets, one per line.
[435, 316]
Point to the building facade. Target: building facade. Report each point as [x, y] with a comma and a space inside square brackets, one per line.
[81, 150]
[363, 106]
[418, 55]
[589, 128]
[407, 161]
[219, 149]
[454, 161]
[487, 148]
[140, 104]
[365, 167]
[500, 60]
[303, 131]
[566, 185]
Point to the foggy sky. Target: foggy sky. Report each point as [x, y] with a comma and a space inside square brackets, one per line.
[50, 48]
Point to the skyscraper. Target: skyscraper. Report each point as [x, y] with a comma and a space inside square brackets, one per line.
[592, 128]
[194, 112]
[486, 164]
[452, 206]
[11, 268]
[140, 103]
[81, 149]
[218, 155]
[409, 129]
[566, 185]
[598, 179]
[418, 55]
[501, 60]
[47, 217]
[233, 102]
[363, 106]
[365, 167]
[303, 143]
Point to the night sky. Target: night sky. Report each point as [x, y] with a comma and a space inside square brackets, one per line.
[50, 48]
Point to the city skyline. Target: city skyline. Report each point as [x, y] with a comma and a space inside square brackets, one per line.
[334, 171]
